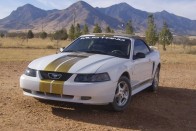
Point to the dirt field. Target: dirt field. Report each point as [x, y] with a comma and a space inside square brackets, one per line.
[173, 107]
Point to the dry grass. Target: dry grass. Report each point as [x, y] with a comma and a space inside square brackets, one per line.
[32, 43]
[18, 54]
[16, 49]
[177, 55]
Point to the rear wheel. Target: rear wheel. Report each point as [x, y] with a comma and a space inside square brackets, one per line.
[155, 83]
[122, 94]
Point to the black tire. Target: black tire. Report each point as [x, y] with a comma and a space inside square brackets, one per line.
[155, 82]
[122, 94]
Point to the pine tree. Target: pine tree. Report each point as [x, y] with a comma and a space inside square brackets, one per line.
[165, 36]
[97, 29]
[151, 34]
[77, 31]
[108, 29]
[85, 29]
[72, 32]
[30, 34]
[129, 28]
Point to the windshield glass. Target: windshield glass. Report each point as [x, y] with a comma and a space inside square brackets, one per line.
[114, 46]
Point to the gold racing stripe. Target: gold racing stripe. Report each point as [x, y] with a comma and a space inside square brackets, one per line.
[62, 64]
[57, 87]
[53, 65]
[67, 65]
[45, 86]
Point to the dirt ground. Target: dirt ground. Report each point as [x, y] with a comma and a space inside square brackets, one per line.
[173, 107]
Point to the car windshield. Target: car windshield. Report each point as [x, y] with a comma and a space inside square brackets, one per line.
[119, 47]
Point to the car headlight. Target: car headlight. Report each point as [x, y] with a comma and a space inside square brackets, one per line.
[30, 72]
[92, 77]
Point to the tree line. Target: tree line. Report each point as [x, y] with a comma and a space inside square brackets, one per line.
[164, 37]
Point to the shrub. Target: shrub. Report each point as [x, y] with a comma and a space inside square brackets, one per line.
[60, 35]
[43, 35]
[49, 47]
[30, 34]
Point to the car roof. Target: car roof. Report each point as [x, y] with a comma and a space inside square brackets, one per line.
[126, 36]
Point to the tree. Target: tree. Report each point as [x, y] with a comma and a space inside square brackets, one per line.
[129, 28]
[30, 34]
[97, 29]
[85, 29]
[77, 31]
[108, 29]
[112, 31]
[72, 32]
[151, 34]
[43, 35]
[165, 36]
[2, 35]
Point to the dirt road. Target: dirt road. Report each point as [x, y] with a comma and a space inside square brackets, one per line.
[173, 107]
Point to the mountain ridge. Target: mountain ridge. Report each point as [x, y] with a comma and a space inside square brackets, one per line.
[31, 17]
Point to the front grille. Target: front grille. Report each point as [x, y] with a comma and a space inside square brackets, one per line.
[46, 75]
[54, 95]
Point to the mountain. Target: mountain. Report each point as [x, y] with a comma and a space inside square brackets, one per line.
[22, 17]
[177, 24]
[115, 16]
[124, 13]
[83, 14]
[34, 18]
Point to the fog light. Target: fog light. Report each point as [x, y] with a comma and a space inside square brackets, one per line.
[85, 97]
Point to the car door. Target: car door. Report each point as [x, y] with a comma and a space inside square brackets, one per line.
[142, 67]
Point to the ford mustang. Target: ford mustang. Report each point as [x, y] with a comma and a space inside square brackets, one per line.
[95, 69]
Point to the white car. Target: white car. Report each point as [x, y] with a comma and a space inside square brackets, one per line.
[95, 69]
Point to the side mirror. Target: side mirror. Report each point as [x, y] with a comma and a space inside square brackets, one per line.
[61, 49]
[139, 55]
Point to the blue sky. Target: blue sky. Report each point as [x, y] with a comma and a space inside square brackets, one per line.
[185, 8]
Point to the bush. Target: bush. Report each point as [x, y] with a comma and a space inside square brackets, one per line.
[43, 35]
[60, 35]
[2, 35]
[30, 34]
[49, 47]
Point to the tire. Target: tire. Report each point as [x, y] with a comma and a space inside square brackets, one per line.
[122, 94]
[155, 82]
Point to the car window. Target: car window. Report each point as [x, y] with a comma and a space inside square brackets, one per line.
[119, 47]
[140, 46]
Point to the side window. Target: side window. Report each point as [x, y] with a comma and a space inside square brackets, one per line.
[140, 46]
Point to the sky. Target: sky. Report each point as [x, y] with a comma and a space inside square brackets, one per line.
[185, 8]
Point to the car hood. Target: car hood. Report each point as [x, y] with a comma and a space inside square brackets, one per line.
[71, 62]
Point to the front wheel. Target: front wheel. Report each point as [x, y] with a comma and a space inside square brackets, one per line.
[122, 94]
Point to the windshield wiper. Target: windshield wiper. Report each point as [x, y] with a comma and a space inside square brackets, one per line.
[95, 51]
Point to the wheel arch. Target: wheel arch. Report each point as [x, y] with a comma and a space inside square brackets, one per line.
[126, 74]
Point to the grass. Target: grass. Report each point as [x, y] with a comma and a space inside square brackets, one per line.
[35, 43]
[19, 54]
[178, 55]
[16, 49]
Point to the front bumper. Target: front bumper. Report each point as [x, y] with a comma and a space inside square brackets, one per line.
[88, 93]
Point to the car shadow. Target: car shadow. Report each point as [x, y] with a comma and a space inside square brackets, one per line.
[168, 109]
